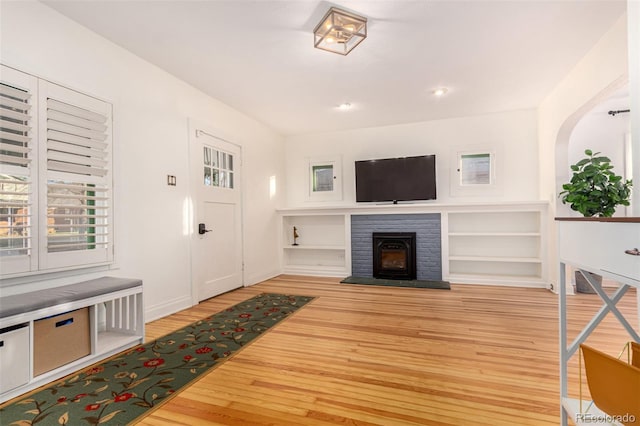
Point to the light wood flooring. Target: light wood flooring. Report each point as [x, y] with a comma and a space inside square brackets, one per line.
[363, 355]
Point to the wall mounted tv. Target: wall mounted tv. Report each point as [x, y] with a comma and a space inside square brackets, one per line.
[396, 179]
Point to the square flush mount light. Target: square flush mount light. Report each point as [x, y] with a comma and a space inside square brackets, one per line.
[340, 31]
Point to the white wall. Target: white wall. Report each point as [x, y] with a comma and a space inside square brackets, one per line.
[602, 132]
[633, 11]
[151, 114]
[601, 72]
[513, 135]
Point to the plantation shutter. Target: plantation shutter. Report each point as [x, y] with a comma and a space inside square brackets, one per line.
[17, 171]
[77, 178]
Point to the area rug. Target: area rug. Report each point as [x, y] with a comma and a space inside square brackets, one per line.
[441, 285]
[125, 387]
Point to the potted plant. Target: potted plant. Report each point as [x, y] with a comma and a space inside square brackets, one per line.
[594, 190]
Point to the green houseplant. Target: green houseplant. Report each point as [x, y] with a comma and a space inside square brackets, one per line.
[594, 189]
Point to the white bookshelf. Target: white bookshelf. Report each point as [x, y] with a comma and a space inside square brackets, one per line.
[321, 249]
[504, 246]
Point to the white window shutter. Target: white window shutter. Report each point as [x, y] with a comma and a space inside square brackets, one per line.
[76, 207]
[18, 171]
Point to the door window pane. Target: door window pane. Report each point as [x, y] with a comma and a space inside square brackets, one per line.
[218, 168]
[207, 156]
[214, 158]
[215, 177]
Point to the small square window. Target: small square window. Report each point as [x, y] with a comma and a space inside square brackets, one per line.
[475, 169]
[322, 178]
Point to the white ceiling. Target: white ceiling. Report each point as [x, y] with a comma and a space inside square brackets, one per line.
[258, 56]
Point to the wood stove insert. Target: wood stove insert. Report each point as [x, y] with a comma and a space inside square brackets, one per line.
[394, 255]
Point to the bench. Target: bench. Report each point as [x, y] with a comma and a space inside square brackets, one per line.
[96, 319]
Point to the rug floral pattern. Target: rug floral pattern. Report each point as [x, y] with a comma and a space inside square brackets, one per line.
[121, 389]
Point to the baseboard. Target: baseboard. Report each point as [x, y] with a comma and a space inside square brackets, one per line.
[497, 281]
[162, 310]
[258, 278]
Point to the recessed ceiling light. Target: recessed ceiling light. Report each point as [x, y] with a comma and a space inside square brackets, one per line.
[344, 107]
[440, 91]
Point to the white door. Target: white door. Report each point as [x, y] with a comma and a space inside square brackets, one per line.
[216, 254]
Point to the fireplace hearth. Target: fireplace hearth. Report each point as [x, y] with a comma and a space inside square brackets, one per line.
[394, 255]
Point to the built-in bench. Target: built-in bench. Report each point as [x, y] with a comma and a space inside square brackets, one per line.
[97, 318]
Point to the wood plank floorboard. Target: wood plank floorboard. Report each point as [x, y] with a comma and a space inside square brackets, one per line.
[364, 355]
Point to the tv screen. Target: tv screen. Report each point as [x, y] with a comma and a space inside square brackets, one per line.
[396, 179]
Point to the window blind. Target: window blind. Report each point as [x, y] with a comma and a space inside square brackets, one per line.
[15, 171]
[56, 189]
[78, 164]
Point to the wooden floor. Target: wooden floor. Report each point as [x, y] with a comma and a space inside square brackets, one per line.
[363, 355]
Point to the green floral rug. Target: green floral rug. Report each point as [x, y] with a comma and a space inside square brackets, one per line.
[122, 389]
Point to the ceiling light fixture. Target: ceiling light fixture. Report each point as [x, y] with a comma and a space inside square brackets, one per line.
[340, 31]
[440, 91]
[344, 107]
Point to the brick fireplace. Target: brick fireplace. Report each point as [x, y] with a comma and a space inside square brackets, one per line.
[428, 250]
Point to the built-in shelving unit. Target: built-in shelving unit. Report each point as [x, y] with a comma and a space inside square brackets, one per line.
[496, 247]
[498, 243]
[321, 246]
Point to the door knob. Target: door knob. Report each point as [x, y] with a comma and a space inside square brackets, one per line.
[202, 230]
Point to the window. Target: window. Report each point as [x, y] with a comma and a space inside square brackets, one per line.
[218, 168]
[55, 177]
[325, 179]
[322, 178]
[475, 169]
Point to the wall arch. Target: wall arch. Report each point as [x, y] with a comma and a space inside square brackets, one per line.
[562, 162]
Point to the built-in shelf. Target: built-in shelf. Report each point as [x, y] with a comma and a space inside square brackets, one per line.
[314, 247]
[497, 259]
[321, 248]
[504, 245]
[501, 243]
[494, 234]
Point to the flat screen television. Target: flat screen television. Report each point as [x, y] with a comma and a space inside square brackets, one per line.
[396, 179]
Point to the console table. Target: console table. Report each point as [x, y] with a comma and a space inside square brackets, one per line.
[607, 247]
